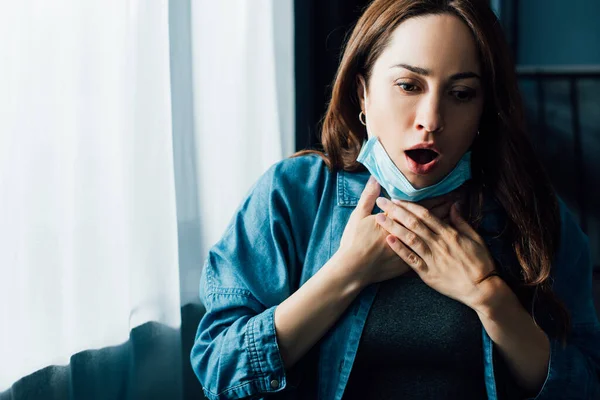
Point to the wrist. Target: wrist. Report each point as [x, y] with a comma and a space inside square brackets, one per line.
[348, 272]
[495, 296]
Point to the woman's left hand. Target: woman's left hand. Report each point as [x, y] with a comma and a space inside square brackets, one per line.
[451, 258]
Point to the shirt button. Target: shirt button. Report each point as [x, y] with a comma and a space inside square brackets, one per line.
[274, 383]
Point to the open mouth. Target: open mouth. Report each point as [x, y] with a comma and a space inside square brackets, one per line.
[422, 156]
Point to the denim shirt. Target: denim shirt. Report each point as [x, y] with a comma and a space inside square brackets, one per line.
[286, 229]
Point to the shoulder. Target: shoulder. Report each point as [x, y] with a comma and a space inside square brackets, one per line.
[289, 192]
[292, 176]
[572, 267]
[306, 169]
[269, 232]
[572, 239]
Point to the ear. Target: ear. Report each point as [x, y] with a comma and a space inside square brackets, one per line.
[360, 90]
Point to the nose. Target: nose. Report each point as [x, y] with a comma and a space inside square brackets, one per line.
[429, 116]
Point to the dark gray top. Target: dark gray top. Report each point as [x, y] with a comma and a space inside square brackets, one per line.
[436, 355]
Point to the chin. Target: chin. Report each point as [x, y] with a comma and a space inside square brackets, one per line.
[420, 182]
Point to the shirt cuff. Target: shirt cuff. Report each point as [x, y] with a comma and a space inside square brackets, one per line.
[265, 357]
[569, 373]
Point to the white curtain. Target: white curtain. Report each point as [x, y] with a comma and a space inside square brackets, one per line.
[95, 182]
[243, 113]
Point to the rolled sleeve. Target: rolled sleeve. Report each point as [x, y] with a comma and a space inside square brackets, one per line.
[574, 368]
[573, 373]
[242, 360]
[263, 350]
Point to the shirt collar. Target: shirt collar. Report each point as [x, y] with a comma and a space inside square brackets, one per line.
[350, 186]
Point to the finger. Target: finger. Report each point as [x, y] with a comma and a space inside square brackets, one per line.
[408, 238]
[424, 218]
[365, 205]
[461, 225]
[407, 255]
[407, 219]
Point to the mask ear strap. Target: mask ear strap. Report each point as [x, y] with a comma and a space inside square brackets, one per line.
[362, 116]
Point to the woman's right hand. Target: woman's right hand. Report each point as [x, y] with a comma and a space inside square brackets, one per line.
[363, 246]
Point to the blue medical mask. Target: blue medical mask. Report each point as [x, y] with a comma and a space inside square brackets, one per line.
[378, 162]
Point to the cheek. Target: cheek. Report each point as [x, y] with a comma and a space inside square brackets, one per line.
[463, 122]
[392, 116]
[462, 127]
[455, 148]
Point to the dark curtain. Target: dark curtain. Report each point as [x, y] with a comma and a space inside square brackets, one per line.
[320, 31]
[154, 364]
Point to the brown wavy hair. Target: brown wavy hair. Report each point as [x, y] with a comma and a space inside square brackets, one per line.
[503, 159]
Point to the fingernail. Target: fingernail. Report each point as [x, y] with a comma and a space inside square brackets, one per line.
[382, 201]
[371, 180]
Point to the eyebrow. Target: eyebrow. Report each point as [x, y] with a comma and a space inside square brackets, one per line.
[426, 72]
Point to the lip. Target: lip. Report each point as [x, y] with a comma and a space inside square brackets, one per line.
[422, 169]
[428, 146]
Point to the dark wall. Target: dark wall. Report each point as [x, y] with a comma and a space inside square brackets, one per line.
[555, 32]
[557, 47]
[320, 29]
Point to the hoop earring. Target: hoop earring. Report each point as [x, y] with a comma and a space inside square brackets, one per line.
[362, 116]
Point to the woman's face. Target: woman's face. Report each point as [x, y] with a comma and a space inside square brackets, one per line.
[425, 89]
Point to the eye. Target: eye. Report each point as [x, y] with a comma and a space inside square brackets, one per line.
[463, 96]
[407, 87]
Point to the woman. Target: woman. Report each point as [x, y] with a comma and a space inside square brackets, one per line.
[320, 288]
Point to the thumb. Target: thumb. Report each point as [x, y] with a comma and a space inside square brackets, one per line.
[460, 224]
[366, 203]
